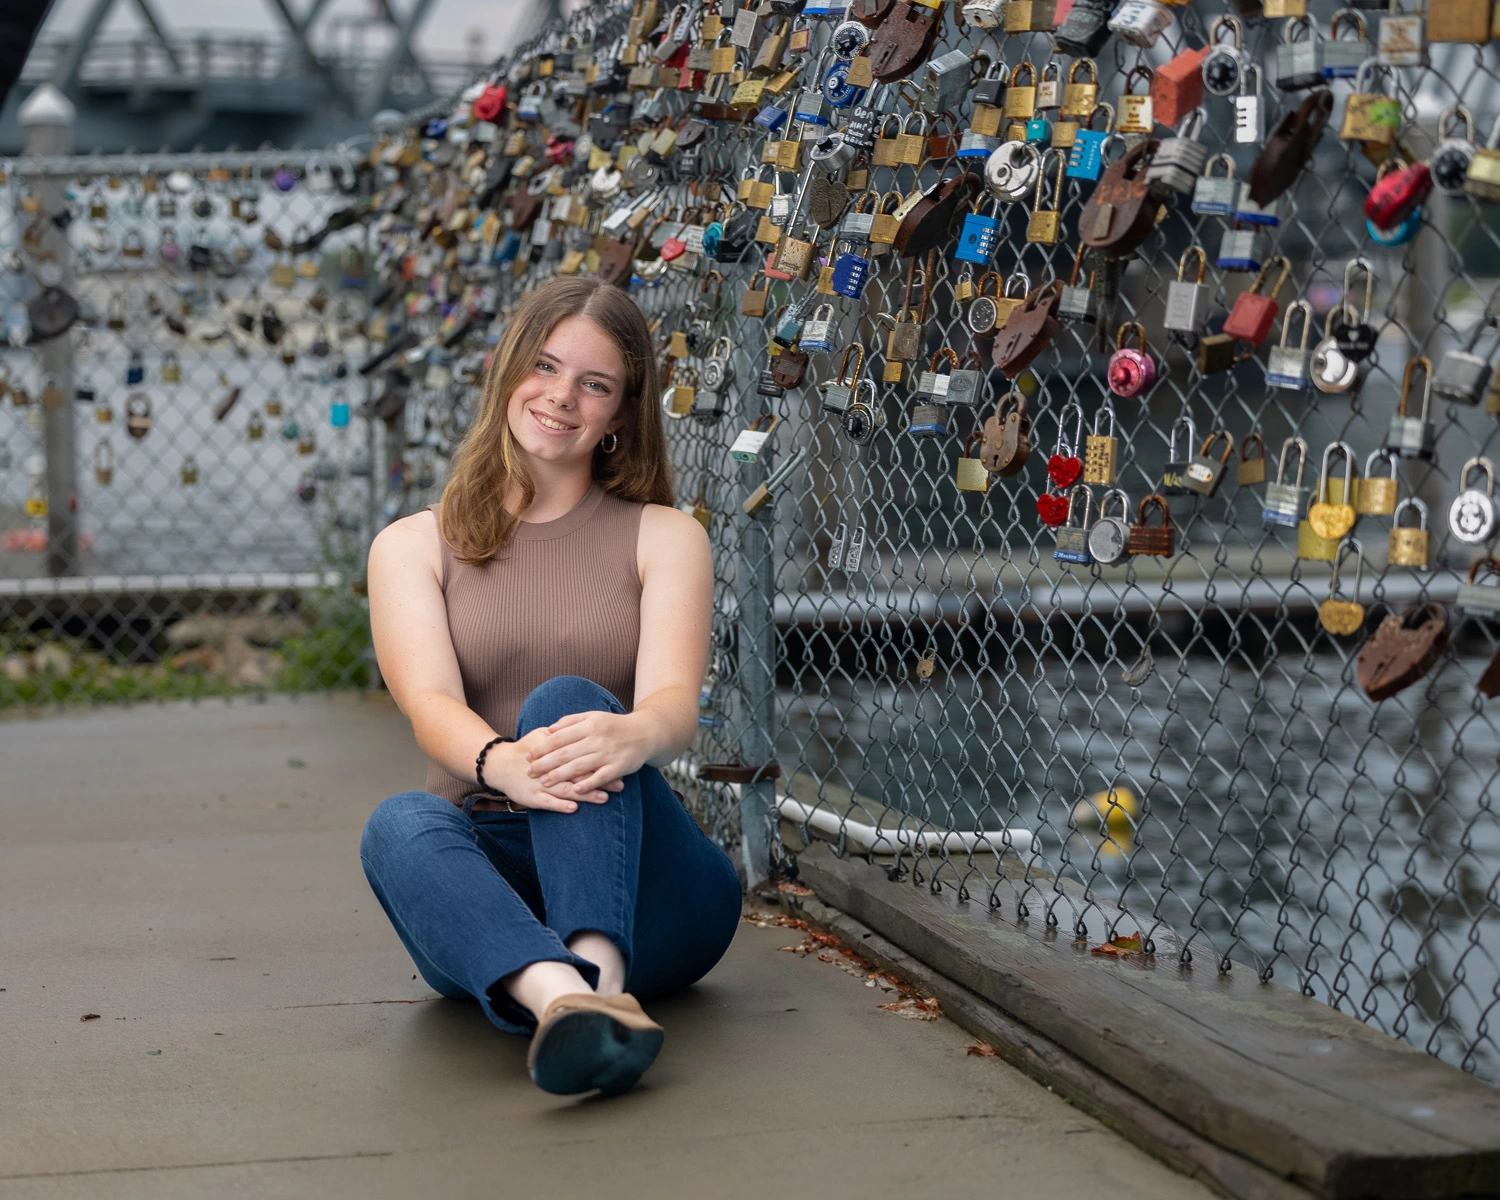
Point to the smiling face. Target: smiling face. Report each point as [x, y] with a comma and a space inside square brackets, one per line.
[571, 396]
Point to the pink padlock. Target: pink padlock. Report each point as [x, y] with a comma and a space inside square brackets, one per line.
[1131, 370]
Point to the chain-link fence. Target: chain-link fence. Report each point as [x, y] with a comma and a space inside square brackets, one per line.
[192, 467]
[1176, 735]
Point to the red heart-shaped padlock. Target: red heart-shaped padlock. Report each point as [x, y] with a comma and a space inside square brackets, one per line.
[672, 248]
[1052, 509]
[1064, 470]
[490, 103]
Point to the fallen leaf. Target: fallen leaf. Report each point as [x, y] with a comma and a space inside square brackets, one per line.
[983, 1050]
[796, 889]
[295, 762]
[913, 1008]
[1120, 946]
[153, 1051]
[89, 1017]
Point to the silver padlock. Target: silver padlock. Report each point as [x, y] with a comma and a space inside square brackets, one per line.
[751, 442]
[1139, 22]
[1010, 172]
[934, 384]
[1463, 376]
[1471, 518]
[1073, 538]
[1341, 57]
[1174, 470]
[817, 333]
[718, 368]
[1249, 109]
[1402, 40]
[1187, 303]
[1299, 60]
[1245, 209]
[1109, 539]
[1215, 195]
[1179, 161]
[1332, 370]
[1285, 501]
[986, 14]
[1477, 599]
[838, 393]
[965, 387]
[1287, 367]
[945, 80]
[1408, 436]
[1241, 250]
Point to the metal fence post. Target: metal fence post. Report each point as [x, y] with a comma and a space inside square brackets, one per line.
[47, 117]
[755, 583]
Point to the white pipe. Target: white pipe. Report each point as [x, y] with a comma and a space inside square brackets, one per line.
[867, 839]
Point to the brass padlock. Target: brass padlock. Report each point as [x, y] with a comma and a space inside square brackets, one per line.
[1101, 450]
[189, 471]
[1409, 547]
[104, 462]
[1377, 496]
[972, 477]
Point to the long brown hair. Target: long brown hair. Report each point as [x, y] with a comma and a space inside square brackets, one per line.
[472, 516]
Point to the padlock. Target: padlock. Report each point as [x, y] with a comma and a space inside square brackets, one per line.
[1044, 226]
[932, 383]
[255, 428]
[1311, 546]
[1249, 110]
[1140, 22]
[838, 394]
[1078, 301]
[1174, 470]
[1073, 537]
[1212, 195]
[1299, 60]
[1475, 598]
[1342, 57]
[1462, 376]
[104, 463]
[1204, 474]
[761, 495]
[137, 415]
[1356, 338]
[1450, 161]
[1463, 21]
[1251, 470]
[718, 367]
[1376, 496]
[928, 419]
[751, 442]
[1137, 112]
[1177, 86]
[978, 236]
[1370, 116]
[189, 473]
[755, 300]
[817, 333]
[1007, 436]
[1409, 547]
[983, 315]
[1287, 367]
[972, 477]
[1146, 538]
[1252, 313]
[985, 14]
[1483, 178]
[1247, 210]
[1400, 41]
[1330, 518]
[1344, 617]
[766, 385]
[1131, 371]
[1101, 450]
[850, 273]
[1471, 517]
[1179, 161]
[1020, 98]
[1084, 30]
[1408, 436]
[1332, 370]
[945, 80]
[1187, 303]
[1049, 86]
[864, 417]
[135, 369]
[1086, 157]
[1011, 171]
[1222, 67]
[1030, 16]
[1109, 539]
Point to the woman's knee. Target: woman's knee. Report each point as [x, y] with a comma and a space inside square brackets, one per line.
[398, 819]
[560, 696]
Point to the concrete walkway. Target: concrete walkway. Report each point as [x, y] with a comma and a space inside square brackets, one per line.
[190, 874]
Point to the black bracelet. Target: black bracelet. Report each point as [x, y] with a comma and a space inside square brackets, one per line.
[479, 766]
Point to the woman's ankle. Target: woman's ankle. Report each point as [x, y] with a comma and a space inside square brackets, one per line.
[537, 984]
[604, 954]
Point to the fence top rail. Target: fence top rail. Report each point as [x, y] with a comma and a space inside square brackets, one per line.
[29, 166]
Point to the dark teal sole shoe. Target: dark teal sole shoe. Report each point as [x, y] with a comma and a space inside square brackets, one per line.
[586, 1041]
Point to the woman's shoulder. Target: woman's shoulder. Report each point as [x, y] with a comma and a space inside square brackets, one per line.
[670, 529]
[411, 538]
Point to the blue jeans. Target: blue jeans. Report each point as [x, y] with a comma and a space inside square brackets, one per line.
[475, 898]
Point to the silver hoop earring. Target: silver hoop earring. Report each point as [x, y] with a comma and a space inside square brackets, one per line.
[613, 443]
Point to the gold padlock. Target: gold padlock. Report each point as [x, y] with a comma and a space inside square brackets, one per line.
[1409, 547]
[1331, 519]
[1376, 496]
[1101, 450]
[794, 256]
[189, 471]
[972, 477]
[1310, 545]
[1343, 617]
[1020, 99]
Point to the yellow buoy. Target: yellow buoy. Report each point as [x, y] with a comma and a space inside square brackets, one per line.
[1113, 811]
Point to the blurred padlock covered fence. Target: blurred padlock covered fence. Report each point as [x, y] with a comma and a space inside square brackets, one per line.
[914, 655]
[192, 466]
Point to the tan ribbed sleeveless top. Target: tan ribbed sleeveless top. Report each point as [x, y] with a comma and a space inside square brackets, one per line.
[564, 598]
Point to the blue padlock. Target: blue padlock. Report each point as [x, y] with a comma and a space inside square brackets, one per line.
[1086, 159]
[1400, 235]
[788, 324]
[811, 107]
[135, 372]
[1039, 130]
[850, 273]
[837, 89]
[771, 118]
[978, 237]
[508, 247]
[928, 420]
[338, 414]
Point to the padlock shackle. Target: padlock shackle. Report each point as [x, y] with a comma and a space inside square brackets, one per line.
[1493, 564]
[1182, 263]
[1411, 365]
[1083, 62]
[1088, 504]
[1214, 437]
[1245, 444]
[1108, 110]
[1231, 23]
[1140, 335]
[1297, 444]
[1106, 409]
[1351, 468]
[939, 353]
[1345, 546]
[1124, 504]
[1062, 418]
[1297, 306]
[1158, 501]
[1416, 503]
[1381, 453]
[858, 350]
[1186, 424]
[1360, 263]
[1208, 167]
[1482, 463]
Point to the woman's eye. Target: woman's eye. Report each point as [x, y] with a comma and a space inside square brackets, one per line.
[544, 366]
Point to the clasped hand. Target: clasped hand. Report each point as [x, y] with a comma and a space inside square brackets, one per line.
[581, 757]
